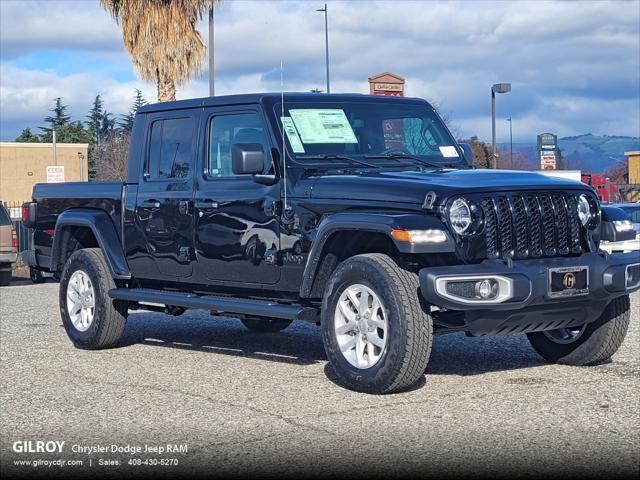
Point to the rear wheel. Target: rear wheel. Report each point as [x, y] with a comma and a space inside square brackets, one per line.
[376, 335]
[265, 325]
[589, 344]
[92, 319]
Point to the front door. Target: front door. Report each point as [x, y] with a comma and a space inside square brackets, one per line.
[237, 225]
[164, 207]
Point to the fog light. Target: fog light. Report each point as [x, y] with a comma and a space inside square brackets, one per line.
[487, 289]
[632, 275]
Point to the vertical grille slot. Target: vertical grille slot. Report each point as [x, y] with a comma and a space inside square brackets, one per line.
[520, 221]
[548, 225]
[535, 226]
[574, 224]
[503, 210]
[490, 227]
[562, 227]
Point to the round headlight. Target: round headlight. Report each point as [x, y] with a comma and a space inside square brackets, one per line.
[460, 216]
[584, 209]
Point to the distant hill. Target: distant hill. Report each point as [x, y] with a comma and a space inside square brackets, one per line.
[589, 153]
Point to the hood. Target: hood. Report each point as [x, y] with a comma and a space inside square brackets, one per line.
[411, 187]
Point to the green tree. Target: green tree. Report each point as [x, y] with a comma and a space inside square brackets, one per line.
[59, 118]
[162, 39]
[95, 119]
[27, 137]
[559, 159]
[73, 132]
[126, 124]
[481, 152]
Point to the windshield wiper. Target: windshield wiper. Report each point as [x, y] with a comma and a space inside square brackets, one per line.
[330, 156]
[400, 156]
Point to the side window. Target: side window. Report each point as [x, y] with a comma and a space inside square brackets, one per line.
[226, 130]
[170, 149]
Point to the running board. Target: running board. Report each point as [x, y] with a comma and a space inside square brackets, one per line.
[232, 305]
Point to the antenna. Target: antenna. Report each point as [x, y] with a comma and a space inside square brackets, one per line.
[284, 152]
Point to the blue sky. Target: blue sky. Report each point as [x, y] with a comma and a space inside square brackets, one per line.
[574, 66]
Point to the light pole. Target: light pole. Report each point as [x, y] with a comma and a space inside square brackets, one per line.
[510, 120]
[212, 73]
[81, 159]
[326, 41]
[496, 88]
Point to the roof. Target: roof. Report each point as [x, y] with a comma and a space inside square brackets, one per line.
[387, 77]
[272, 98]
[43, 145]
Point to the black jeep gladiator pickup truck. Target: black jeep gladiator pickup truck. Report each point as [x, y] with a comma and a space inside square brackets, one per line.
[359, 213]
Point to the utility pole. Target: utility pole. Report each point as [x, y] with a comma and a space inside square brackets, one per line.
[55, 154]
[510, 120]
[326, 41]
[212, 73]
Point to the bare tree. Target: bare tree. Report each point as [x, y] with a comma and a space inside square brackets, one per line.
[111, 162]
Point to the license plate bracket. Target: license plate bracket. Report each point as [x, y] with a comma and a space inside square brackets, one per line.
[568, 281]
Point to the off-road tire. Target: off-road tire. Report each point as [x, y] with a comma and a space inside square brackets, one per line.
[5, 278]
[265, 325]
[36, 275]
[596, 345]
[410, 328]
[110, 316]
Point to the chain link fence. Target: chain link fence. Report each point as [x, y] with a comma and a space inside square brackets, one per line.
[24, 235]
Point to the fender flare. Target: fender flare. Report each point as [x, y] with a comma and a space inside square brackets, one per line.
[371, 222]
[105, 233]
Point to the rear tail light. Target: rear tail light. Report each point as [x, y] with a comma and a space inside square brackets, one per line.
[29, 214]
[14, 238]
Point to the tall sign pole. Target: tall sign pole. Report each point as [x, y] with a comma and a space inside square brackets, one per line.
[326, 42]
[212, 73]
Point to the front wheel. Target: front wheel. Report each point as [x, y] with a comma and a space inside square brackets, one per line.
[5, 276]
[92, 319]
[376, 335]
[590, 344]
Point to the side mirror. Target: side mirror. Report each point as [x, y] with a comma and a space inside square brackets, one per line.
[468, 152]
[247, 158]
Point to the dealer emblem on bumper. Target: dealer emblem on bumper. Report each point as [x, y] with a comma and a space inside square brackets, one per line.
[569, 280]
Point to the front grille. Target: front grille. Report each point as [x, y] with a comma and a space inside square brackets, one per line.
[531, 225]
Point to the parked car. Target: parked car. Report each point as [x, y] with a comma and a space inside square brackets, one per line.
[632, 210]
[8, 246]
[357, 212]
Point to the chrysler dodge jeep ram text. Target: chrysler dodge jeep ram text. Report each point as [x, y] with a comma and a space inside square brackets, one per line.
[356, 212]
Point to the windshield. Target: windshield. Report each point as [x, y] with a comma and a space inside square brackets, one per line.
[374, 131]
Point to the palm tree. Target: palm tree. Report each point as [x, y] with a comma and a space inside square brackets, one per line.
[161, 37]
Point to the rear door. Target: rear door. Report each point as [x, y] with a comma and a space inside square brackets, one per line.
[164, 206]
[237, 223]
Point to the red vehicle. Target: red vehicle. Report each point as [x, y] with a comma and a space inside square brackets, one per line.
[607, 191]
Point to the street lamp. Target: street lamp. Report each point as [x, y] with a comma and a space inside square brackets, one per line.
[326, 41]
[212, 74]
[496, 88]
[510, 120]
[81, 161]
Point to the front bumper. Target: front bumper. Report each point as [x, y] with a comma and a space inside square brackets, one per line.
[8, 257]
[529, 305]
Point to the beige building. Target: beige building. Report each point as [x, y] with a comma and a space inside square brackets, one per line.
[633, 161]
[22, 165]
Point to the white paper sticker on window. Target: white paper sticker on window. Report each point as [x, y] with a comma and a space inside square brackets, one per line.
[323, 126]
[292, 135]
[449, 152]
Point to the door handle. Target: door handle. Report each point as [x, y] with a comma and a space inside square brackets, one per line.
[206, 204]
[150, 204]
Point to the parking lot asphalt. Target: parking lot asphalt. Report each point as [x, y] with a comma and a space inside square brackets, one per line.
[267, 404]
